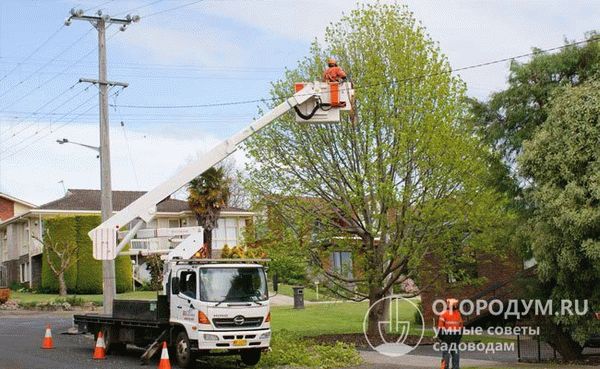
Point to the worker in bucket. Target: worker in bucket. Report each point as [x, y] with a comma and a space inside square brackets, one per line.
[333, 73]
[450, 328]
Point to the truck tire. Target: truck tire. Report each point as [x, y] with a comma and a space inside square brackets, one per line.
[111, 340]
[250, 357]
[183, 354]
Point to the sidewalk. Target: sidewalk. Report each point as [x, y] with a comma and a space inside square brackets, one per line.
[421, 361]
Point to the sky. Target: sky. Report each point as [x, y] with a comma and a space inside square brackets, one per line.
[212, 51]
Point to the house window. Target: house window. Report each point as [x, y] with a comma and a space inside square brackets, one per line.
[24, 272]
[341, 263]
[229, 232]
[173, 223]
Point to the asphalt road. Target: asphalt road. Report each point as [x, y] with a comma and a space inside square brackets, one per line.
[21, 339]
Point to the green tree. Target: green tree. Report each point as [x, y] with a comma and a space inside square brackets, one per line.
[563, 162]
[512, 116]
[398, 180]
[59, 264]
[207, 195]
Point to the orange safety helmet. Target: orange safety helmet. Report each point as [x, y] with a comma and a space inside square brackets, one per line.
[452, 303]
[331, 60]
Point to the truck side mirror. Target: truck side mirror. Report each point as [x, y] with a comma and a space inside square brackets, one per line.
[175, 285]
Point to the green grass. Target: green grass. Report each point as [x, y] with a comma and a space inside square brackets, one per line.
[332, 318]
[310, 294]
[32, 298]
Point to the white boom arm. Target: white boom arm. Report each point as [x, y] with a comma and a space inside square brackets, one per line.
[104, 237]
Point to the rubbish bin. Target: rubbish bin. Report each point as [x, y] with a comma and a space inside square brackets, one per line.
[298, 297]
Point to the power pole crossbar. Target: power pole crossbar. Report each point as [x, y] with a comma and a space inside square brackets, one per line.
[101, 22]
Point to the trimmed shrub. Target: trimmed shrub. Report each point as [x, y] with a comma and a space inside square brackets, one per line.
[61, 229]
[89, 270]
[124, 273]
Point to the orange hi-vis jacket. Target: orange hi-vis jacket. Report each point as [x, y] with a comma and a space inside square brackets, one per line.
[450, 320]
[334, 74]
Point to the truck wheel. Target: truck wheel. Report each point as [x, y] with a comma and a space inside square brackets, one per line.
[250, 357]
[183, 353]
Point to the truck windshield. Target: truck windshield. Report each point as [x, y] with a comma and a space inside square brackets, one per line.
[233, 285]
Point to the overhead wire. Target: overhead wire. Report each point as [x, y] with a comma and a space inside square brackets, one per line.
[4, 157]
[171, 9]
[21, 98]
[49, 127]
[10, 89]
[38, 119]
[98, 6]
[137, 182]
[447, 71]
[22, 119]
[46, 41]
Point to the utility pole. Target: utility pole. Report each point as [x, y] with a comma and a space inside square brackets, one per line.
[101, 22]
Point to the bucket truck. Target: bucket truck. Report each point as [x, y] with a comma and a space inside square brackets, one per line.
[205, 305]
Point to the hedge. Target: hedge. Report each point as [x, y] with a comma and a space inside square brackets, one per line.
[62, 229]
[89, 270]
[85, 277]
[124, 273]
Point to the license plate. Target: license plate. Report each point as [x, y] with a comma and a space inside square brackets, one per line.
[239, 342]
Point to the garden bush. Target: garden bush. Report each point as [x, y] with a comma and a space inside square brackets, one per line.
[61, 229]
[124, 273]
[89, 270]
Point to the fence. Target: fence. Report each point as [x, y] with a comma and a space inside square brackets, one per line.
[531, 348]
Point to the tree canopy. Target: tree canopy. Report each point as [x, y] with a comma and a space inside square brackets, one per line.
[400, 178]
[563, 163]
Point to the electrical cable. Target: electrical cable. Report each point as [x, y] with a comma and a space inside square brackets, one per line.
[38, 109]
[473, 66]
[33, 52]
[41, 116]
[10, 89]
[98, 6]
[50, 126]
[171, 9]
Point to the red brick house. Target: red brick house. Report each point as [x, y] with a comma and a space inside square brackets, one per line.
[494, 276]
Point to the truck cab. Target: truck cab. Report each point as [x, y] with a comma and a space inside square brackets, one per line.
[206, 307]
[218, 306]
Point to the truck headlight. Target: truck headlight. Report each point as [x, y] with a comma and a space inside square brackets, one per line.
[210, 337]
[265, 336]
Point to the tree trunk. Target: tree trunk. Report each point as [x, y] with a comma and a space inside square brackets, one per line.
[208, 243]
[377, 312]
[62, 286]
[563, 342]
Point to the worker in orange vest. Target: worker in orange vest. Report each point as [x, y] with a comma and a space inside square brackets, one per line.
[450, 328]
[333, 73]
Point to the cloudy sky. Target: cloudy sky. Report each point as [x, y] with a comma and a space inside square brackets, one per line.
[209, 52]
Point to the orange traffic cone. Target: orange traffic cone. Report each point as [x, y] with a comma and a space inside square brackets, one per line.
[100, 349]
[47, 342]
[164, 362]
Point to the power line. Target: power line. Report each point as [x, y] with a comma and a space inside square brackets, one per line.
[40, 117]
[171, 9]
[33, 52]
[45, 65]
[473, 66]
[42, 137]
[40, 108]
[49, 127]
[98, 6]
[3, 157]
[139, 7]
[29, 93]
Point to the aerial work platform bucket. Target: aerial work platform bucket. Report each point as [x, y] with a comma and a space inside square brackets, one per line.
[334, 97]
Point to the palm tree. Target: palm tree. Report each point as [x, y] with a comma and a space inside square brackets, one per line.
[207, 195]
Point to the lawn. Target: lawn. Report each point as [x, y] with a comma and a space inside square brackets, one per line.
[31, 298]
[328, 318]
[310, 294]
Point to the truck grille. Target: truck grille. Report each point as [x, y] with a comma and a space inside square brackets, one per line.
[237, 322]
